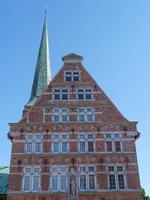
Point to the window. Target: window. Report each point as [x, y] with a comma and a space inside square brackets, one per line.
[60, 94]
[31, 179]
[86, 142]
[113, 142]
[34, 143]
[116, 177]
[58, 180]
[60, 143]
[72, 75]
[85, 114]
[84, 94]
[87, 178]
[60, 115]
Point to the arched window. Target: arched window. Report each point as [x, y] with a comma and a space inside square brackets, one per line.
[32, 179]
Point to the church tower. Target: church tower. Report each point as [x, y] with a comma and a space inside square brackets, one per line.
[72, 143]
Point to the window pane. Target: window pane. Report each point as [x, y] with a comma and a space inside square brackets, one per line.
[36, 169]
[117, 146]
[90, 136]
[64, 110]
[38, 147]
[27, 183]
[57, 96]
[56, 137]
[29, 147]
[88, 96]
[63, 183]
[91, 169]
[117, 136]
[82, 147]
[75, 73]
[89, 109]
[54, 182]
[64, 136]
[81, 118]
[76, 78]
[27, 169]
[108, 136]
[68, 78]
[90, 146]
[64, 96]
[91, 182]
[112, 181]
[80, 96]
[89, 118]
[81, 109]
[82, 182]
[64, 118]
[29, 137]
[119, 168]
[56, 118]
[38, 137]
[82, 168]
[121, 181]
[109, 146]
[36, 183]
[56, 147]
[64, 147]
[111, 168]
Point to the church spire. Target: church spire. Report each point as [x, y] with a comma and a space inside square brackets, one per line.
[42, 74]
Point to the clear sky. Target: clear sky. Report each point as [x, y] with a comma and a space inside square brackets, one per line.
[113, 36]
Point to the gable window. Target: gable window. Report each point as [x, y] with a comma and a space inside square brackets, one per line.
[60, 94]
[86, 142]
[116, 177]
[72, 75]
[34, 143]
[31, 179]
[113, 142]
[60, 115]
[58, 180]
[87, 178]
[60, 143]
[84, 94]
[85, 115]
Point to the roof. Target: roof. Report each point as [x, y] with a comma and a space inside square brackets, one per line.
[42, 74]
[4, 175]
[72, 58]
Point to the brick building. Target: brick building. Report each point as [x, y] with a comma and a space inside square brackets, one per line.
[72, 142]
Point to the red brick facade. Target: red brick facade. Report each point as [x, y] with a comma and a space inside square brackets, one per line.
[107, 120]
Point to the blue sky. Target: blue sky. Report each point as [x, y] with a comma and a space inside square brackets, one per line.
[112, 36]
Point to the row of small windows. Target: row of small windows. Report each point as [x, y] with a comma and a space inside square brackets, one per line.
[81, 94]
[59, 182]
[83, 115]
[86, 143]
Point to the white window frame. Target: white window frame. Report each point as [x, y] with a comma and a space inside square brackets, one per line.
[72, 75]
[86, 140]
[116, 173]
[31, 174]
[59, 173]
[60, 141]
[33, 142]
[87, 173]
[85, 113]
[84, 93]
[60, 114]
[61, 93]
[112, 139]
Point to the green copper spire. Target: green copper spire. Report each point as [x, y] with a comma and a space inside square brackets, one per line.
[42, 74]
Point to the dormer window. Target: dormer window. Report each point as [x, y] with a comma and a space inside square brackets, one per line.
[71, 76]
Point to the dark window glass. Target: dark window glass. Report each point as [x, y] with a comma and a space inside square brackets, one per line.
[109, 146]
[88, 96]
[112, 181]
[64, 96]
[80, 96]
[117, 146]
[76, 78]
[57, 96]
[68, 78]
[90, 146]
[121, 181]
